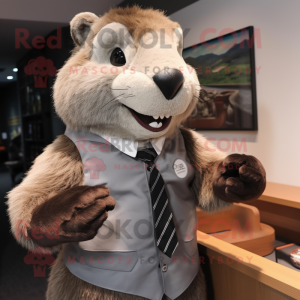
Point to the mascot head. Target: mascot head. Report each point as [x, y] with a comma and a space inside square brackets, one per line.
[126, 77]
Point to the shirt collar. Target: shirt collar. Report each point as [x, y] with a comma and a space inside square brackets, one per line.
[130, 147]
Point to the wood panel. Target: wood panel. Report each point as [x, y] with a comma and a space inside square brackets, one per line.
[230, 284]
[239, 274]
[238, 213]
[240, 225]
[284, 219]
[282, 194]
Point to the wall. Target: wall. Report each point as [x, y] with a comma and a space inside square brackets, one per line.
[9, 107]
[51, 11]
[277, 141]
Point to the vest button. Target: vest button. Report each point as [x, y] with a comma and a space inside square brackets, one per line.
[164, 268]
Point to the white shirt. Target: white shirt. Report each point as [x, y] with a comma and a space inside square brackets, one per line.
[130, 147]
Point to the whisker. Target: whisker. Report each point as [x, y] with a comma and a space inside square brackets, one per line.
[128, 87]
[199, 99]
[114, 99]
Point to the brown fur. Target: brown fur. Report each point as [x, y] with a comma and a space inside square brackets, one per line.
[73, 215]
[83, 101]
[204, 158]
[239, 178]
[58, 175]
[58, 168]
[143, 21]
[80, 27]
[63, 285]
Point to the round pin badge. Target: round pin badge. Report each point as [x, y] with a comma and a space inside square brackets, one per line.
[180, 168]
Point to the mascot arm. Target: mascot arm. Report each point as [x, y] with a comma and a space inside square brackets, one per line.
[52, 206]
[220, 179]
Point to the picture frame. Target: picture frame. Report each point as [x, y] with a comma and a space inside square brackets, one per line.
[225, 67]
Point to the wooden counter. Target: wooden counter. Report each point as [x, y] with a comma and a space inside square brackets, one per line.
[238, 274]
[279, 207]
[240, 225]
[282, 194]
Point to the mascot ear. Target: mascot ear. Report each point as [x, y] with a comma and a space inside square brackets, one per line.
[81, 26]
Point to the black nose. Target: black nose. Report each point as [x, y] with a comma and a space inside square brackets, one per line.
[169, 82]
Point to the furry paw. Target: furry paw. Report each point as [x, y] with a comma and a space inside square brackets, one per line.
[73, 215]
[239, 178]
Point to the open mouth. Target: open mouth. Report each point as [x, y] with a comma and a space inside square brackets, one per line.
[152, 123]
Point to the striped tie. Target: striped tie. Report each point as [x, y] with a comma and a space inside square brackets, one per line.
[165, 232]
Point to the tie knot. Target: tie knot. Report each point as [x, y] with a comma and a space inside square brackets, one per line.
[147, 155]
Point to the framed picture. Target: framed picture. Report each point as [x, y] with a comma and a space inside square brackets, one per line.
[226, 70]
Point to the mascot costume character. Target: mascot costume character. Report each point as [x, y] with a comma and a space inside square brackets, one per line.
[116, 195]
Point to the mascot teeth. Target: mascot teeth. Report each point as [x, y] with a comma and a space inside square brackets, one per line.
[155, 124]
[149, 123]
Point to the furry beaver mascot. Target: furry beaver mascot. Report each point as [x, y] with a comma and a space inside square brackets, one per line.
[116, 195]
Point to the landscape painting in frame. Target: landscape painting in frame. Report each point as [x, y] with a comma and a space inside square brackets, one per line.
[227, 93]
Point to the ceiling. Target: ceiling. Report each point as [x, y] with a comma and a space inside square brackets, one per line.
[56, 11]
[41, 17]
[168, 6]
[9, 55]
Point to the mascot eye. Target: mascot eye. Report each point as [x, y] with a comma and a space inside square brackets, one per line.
[117, 58]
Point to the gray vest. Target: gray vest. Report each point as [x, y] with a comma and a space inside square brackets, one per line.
[123, 255]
